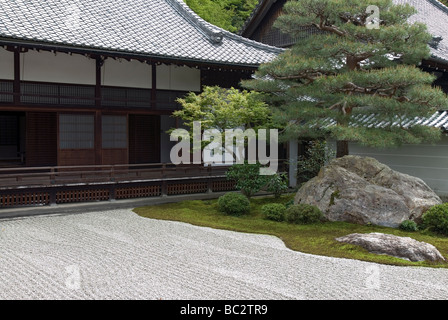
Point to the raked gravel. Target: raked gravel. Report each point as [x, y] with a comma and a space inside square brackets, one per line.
[119, 255]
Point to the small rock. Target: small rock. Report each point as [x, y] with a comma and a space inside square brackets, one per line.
[400, 247]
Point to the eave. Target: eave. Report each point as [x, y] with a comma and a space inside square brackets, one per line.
[143, 57]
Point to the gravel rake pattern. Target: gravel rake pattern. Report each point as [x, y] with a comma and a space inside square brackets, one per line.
[119, 255]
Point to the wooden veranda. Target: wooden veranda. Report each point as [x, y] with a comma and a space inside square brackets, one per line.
[43, 186]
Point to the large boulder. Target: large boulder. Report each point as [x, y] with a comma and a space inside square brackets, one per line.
[363, 190]
[400, 247]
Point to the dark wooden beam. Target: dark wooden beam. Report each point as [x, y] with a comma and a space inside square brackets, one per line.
[438, 65]
[39, 108]
[91, 52]
[98, 95]
[98, 138]
[260, 13]
[98, 114]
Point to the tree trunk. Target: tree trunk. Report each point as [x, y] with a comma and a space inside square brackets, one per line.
[342, 149]
[352, 63]
[342, 146]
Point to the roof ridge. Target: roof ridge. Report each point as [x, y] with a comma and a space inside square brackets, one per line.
[214, 33]
[254, 43]
[438, 37]
[440, 5]
[251, 16]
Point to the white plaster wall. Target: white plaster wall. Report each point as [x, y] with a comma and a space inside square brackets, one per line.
[428, 162]
[6, 64]
[123, 73]
[62, 68]
[77, 69]
[185, 79]
[164, 77]
[174, 77]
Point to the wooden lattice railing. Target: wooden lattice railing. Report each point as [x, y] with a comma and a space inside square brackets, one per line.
[65, 94]
[58, 185]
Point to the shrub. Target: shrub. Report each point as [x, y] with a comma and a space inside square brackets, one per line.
[436, 219]
[247, 177]
[409, 225]
[274, 211]
[303, 214]
[289, 203]
[234, 204]
[278, 184]
[317, 155]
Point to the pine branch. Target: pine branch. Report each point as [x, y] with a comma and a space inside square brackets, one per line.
[309, 75]
[335, 106]
[389, 93]
[324, 26]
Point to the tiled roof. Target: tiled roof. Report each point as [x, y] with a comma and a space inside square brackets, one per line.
[435, 15]
[261, 8]
[153, 28]
[437, 120]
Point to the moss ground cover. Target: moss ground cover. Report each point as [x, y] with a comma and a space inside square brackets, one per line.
[316, 238]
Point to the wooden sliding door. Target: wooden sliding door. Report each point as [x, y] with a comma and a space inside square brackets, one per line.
[76, 139]
[41, 139]
[114, 138]
[144, 139]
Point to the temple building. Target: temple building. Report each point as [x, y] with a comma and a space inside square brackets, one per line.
[95, 82]
[87, 90]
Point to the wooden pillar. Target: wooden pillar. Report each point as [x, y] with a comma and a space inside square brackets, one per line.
[164, 187]
[342, 149]
[98, 114]
[154, 85]
[98, 138]
[98, 95]
[16, 84]
[293, 158]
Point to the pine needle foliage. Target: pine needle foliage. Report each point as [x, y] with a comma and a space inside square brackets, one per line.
[329, 84]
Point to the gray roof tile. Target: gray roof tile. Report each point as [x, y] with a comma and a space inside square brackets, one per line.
[438, 120]
[435, 15]
[155, 28]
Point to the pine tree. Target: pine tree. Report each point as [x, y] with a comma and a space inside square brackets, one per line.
[356, 67]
